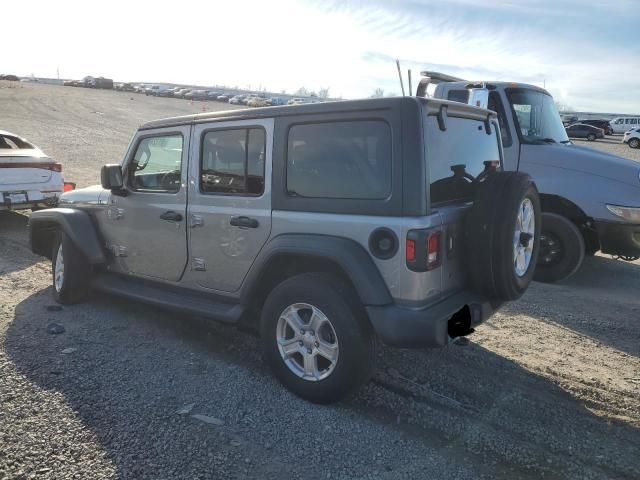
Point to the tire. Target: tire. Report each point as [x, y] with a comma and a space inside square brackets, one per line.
[495, 269]
[591, 137]
[354, 338]
[562, 249]
[634, 143]
[72, 286]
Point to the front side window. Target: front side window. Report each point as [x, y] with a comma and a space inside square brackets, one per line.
[634, 121]
[456, 157]
[345, 160]
[157, 164]
[536, 116]
[232, 161]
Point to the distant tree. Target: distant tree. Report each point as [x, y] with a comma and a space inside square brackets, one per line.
[323, 92]
[302, 92]
[378, 93]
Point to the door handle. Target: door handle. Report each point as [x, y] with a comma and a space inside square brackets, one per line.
[171, 216]
[244, 222]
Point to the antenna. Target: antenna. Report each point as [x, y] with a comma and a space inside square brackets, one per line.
[410, 86]
[400, 76]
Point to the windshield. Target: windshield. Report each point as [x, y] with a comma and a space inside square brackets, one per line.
[536, 116]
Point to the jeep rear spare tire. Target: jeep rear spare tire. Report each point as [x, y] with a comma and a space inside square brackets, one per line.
[503, 231]
[316, 338]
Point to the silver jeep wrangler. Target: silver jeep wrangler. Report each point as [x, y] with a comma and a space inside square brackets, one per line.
[326, 226]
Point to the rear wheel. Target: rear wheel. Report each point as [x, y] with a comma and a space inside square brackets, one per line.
[562, 249]
[316, 338]
[71, 272]
[634, 143]
[591, 137]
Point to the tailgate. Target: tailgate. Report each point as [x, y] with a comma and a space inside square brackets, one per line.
[25, 170]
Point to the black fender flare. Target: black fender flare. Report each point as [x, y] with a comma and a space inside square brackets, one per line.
[349, 255]
[76, 224]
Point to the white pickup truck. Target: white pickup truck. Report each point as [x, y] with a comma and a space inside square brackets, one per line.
[590, 199]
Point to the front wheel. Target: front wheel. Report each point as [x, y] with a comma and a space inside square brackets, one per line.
[562, 249]
[316, 339]
[71, 272]
[591, 137]
[634, 143]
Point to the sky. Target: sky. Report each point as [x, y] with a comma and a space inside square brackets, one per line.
[587, 54]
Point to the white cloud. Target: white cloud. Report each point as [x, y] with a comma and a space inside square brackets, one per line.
[346, 46]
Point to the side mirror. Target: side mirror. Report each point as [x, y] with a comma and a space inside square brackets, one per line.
[478, 97]
[111, 178]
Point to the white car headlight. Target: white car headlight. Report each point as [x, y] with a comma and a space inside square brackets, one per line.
[631, 214]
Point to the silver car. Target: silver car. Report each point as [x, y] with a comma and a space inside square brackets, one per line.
[325, 226]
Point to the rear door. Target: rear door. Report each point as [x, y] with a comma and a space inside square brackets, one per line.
[230, 201]
[145, 228]
[455, 157]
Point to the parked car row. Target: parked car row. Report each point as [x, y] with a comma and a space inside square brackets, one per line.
[200, 94]
[91, 82]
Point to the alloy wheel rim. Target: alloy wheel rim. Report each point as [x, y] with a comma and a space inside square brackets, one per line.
[59, 270]
[523, 237]
[307, 342]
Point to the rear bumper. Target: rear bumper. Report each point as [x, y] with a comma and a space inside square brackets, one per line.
[619, 238]
[427, 327]
[48, 199]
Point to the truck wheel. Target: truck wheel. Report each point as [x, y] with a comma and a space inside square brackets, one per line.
[562, 249]
[316, 338]
[503, 230]
[71, 272]
[634, 143]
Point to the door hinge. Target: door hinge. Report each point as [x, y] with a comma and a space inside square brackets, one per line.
[118, 250]
[196, 221]
[115, 213]
[198, 264]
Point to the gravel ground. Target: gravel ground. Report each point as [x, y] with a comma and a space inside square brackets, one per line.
[548, 388]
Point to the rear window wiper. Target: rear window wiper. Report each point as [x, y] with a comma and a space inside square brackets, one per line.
[548, 140]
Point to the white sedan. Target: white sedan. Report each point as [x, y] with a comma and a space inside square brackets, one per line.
[28, 178]
[632, 138]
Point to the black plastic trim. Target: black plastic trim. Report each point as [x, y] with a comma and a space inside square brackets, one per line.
[78, 226]
[619, 238]
[428, 327]
[374, 249]
[346, 253]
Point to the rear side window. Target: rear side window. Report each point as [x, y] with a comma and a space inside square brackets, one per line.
[456, 157]
[345, 160]
[233, 161]
[9, 141]
[461, 96]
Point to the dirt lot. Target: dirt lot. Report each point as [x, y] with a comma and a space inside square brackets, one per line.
[548, 388]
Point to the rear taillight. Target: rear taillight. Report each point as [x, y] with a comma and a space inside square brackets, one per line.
[68, 186]
[411, 251]
[433, 250]
[423, 250]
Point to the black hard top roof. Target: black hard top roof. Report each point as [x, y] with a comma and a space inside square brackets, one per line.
[314, 108]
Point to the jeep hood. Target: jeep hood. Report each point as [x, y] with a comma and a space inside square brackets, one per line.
[94, 195]
[584, 159]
